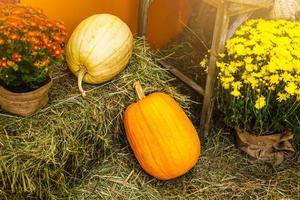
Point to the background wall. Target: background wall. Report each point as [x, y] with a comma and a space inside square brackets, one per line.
[166, 17]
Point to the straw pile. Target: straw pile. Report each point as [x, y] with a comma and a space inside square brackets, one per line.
[45, 155]
[222, 172]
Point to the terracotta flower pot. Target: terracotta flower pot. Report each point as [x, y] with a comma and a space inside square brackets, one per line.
[24, 104]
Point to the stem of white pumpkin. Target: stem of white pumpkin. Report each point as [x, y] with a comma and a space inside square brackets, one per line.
[139, 90]
[81, 74]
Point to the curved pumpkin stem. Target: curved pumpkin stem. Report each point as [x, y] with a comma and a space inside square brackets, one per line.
[139, 90]
[81, 74]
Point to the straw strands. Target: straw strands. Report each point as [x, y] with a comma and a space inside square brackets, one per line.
[44, 155]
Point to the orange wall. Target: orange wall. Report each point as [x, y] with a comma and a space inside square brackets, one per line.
[164, 16]
[73, 11]
[167, 18]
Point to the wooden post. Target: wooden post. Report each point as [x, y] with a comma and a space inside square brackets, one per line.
[192, 84]
[237, 23]
[219, 37]
[225, 10]
[298, 15]
[143, 16]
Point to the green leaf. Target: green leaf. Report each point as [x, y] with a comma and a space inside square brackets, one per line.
[15, 67]
[297, 131]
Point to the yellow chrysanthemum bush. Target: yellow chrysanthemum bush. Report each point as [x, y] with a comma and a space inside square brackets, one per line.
[259, 77]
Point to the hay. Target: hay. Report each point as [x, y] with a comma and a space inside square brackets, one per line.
[45, 155]
[222, 172]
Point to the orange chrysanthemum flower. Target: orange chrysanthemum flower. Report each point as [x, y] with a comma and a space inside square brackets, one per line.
[28, 39]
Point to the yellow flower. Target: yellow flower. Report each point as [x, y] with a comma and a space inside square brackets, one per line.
[240, 50]
[221, 65]
[260, 102]
[204, 62]
[231, 69]
[291, 88]
[287, 77]
[235, 93]
[259, 50]
[263, 55]
[236, 86]
[271, 67]
[274, 79]
[250, 67]
[226, 81]
[226, 85]
[296, 52]
[253, 81]
[237, 63]
[248, 60]
[222, 55]
[282, 96]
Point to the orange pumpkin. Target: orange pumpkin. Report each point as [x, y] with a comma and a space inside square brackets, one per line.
[162, 137]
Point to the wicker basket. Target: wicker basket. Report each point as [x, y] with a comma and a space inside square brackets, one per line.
[24, 104]
[285, 9]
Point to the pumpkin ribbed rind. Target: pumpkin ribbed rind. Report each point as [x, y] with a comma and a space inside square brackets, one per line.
[102, 44]
[161, 136]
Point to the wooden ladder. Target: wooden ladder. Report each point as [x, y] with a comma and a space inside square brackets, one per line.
[223, 29]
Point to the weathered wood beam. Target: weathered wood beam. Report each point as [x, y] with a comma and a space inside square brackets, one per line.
[242, 4]
[258, 3]
[298, 15]
[214, 3]
[144, 6]
[197, 88]
[218, 43]
[237, 23]
[238, 9]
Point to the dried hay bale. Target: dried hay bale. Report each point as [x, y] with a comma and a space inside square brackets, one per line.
[43, 156]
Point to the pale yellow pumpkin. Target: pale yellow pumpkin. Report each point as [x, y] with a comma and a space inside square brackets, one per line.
[98, 49]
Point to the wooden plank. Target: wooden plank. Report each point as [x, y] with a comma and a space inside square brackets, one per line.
[219, 37]
[214, 3]
[236, 9]
[257, 3]
[237, 23]
[298, 15]
[143, 16]
[183, 77]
